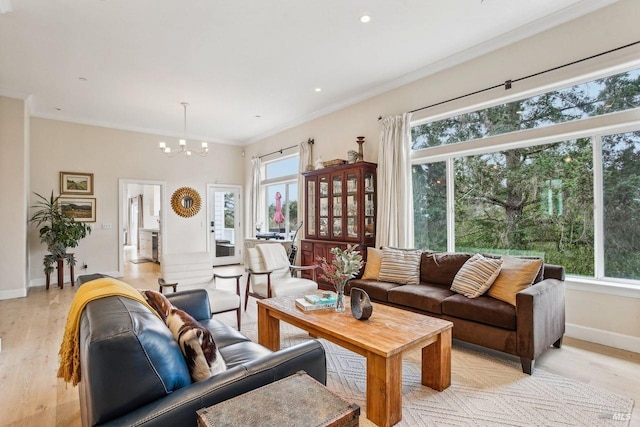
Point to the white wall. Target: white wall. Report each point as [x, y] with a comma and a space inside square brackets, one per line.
[607, 319]
[112, 154]
[14, 174]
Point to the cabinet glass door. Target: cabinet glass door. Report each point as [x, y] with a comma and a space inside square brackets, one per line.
[336, 194]
[352, 206]
[323, 201]
[311, 207]
[369, 205]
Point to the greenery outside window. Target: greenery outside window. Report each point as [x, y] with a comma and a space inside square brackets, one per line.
[607, 95]
[573, 201]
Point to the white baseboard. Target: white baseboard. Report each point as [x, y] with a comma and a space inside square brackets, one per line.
[599, 336]
[67, 279]
[13, 293]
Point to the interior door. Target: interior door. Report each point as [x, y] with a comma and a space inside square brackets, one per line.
[224, 224]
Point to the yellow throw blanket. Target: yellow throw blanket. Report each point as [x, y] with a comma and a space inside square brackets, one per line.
[69, 369]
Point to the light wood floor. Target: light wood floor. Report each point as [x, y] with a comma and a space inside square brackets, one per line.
[31, 330]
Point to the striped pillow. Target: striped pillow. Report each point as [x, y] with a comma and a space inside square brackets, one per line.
[476, 276]
[400, 266]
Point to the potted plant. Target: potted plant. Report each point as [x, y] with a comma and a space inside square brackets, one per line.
[58, 230]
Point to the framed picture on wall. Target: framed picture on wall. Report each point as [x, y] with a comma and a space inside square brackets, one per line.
[81, 209]
[76, 183]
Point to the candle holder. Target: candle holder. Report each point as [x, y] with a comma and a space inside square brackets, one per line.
[360, 141]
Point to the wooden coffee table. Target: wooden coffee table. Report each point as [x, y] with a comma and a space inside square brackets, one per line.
[382, 340]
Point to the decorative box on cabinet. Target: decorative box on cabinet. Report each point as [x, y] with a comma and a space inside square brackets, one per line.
[340, 209]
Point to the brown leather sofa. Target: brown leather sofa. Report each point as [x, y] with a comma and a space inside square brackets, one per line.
[524, 330]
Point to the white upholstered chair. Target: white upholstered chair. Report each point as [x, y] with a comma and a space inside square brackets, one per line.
[271, 275]
[194, 270]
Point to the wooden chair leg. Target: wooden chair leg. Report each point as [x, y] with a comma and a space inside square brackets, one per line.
[246, 294]
[238, 315]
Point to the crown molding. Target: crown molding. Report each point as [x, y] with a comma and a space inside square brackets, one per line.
[17, 94]
[160, 133]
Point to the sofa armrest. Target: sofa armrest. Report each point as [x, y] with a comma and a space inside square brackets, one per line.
[179, 407]
[540, 317]
[193, 301]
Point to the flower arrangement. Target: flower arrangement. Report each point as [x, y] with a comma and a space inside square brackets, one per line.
[344, 266]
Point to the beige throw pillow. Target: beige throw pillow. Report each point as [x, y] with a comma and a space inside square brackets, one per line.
[372, 267]
[400, 266]
[476, 275]
[516, 274]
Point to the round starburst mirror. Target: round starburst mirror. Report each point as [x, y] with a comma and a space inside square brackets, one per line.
[186, 202]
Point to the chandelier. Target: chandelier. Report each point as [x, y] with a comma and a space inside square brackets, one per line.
[182, 144]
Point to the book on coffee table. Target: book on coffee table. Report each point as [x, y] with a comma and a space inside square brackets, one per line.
[305, 305]
[323, 298]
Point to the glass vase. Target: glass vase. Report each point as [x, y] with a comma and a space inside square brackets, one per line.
[340, 298]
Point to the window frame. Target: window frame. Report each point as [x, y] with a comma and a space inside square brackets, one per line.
[285, 180]
[593, 127]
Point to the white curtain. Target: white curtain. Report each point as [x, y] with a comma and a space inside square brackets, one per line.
[257, 209]
[395, 191]
[304, 160]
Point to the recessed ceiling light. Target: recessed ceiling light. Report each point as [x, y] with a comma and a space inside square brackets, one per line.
[318, 89]
[365, 18]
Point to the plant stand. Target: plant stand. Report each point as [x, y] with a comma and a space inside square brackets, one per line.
[60, 268]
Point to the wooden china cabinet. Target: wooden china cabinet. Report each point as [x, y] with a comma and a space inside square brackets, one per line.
[340, 209]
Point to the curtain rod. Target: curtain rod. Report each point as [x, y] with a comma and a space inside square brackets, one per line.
[507, 84]
[278, 151]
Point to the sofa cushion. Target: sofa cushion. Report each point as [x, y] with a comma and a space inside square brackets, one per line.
[400, 266]
[441, 268]
[476, 276]
[372, 267]
[197, 345]
[483, 309]
[423, 296]
[377, 290]
[516, 274]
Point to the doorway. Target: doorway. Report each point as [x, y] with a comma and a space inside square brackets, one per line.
[224, 224]
[141, 229]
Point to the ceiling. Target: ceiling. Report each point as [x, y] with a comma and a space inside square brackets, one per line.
[248, 68]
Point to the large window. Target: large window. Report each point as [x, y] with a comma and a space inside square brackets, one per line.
[621, 194]
[573, 201]
[430, 205]
[280, 189]
[615, 93]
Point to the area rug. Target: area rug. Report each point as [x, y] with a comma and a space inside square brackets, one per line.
[140, 260]
[486, 390]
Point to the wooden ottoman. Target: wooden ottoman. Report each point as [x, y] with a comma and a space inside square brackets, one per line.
[298, 400]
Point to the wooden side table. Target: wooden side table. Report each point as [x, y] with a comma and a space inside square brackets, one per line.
[60, 268]
[295, 401]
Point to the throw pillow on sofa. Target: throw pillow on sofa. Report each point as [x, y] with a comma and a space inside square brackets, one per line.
[197, 345]
[400, 266]
[516, 274]
[372, 266]
[476, 276]
[158, 302]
